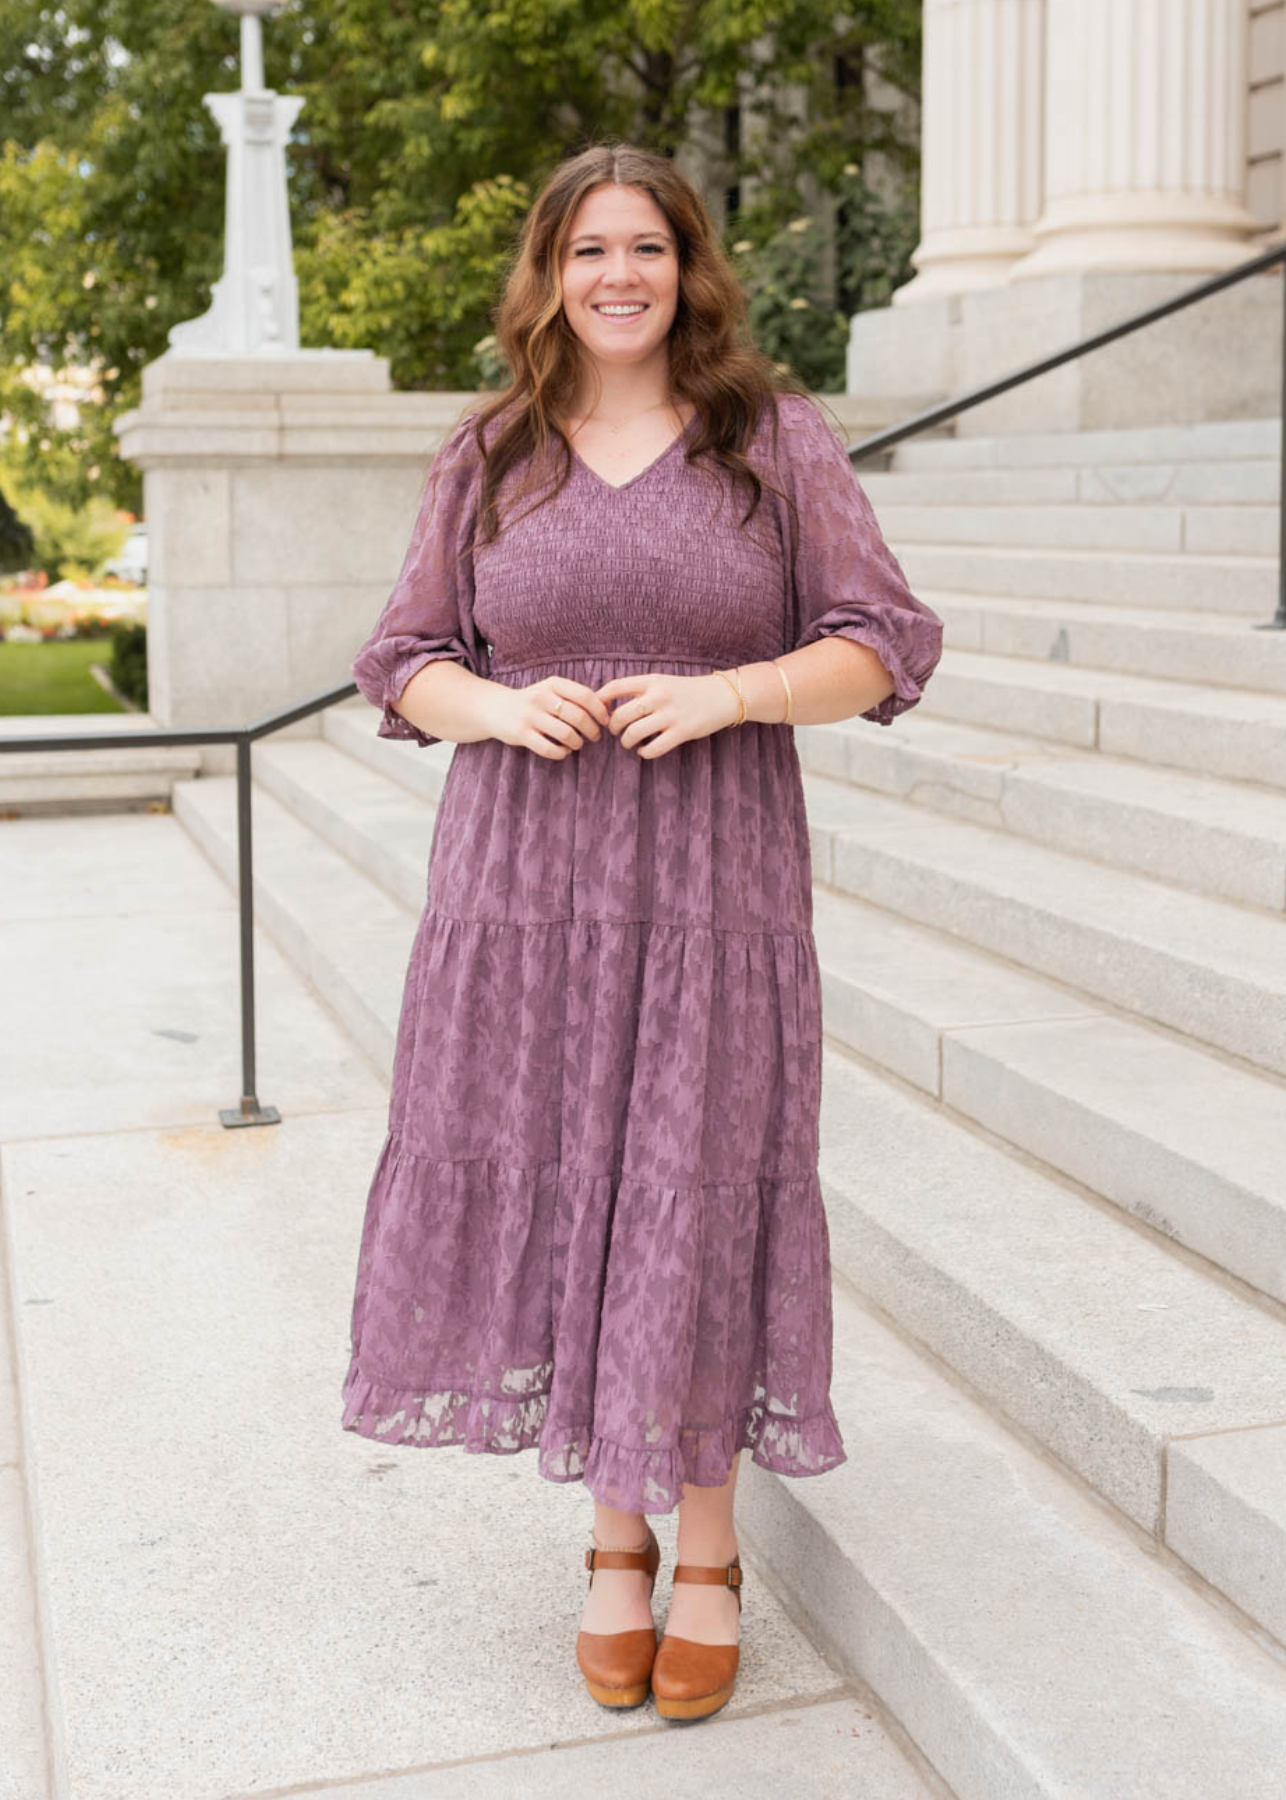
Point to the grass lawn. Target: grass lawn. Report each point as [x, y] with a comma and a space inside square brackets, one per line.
[54, 677]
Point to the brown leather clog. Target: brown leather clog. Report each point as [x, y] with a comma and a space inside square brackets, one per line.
[617, 1664]
[689, 1679]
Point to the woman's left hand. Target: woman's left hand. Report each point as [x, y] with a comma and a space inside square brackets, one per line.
[663, 711]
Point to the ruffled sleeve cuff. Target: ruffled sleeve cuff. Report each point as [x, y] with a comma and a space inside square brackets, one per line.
[907, 644]
[383, 691]
[847, 581]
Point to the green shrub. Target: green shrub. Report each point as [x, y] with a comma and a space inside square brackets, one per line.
[128, 667]
[70, 540]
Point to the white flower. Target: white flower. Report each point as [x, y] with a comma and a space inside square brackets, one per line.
[742, 245]
[149, 300]
[798, 305]
[88, 279]
[799, 224]
[851, 169]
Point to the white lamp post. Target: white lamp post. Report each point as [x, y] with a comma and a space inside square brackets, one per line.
[254, 309]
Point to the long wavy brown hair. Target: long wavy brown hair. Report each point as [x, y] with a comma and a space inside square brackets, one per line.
[714, 362]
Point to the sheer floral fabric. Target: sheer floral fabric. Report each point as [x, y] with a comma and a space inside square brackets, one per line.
[595, 1227]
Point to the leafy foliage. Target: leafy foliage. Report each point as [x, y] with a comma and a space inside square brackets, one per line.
[427, 127]
[70, 539]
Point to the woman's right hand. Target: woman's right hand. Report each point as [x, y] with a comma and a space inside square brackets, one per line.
[526, 716]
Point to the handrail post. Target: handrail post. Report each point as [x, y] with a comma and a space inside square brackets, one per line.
[249, 1112]
[1278, 620]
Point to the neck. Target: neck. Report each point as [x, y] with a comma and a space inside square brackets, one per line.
[610, 392]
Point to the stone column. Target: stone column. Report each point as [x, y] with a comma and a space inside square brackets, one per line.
[981, 144]
[1145, 137]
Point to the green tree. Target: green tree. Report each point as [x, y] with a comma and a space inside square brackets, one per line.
[427, 126]
[71, 539]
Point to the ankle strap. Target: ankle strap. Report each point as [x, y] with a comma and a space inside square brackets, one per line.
[727, 1576]
[617, 1559]
[645, 1558]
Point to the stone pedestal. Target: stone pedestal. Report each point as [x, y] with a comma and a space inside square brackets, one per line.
[1218, 359]
[279, 493]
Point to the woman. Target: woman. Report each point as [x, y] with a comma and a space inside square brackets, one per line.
[596, 1227]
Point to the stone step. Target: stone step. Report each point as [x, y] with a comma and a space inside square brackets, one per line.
[1203, 648]
[1091, 1336]
[1249, 481]
[67, 781]
[1203, 966]
[1235, 733]
[1228, 1503]
[1215, 837]
[1026, 1644]
[1190, 1144]
[419, 768]
[339, 927]
[1238, 586]
[352, 940]
[1207, 441]
[383, 830]
[1223, 530]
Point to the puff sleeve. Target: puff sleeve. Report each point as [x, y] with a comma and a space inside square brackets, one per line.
[429, 614]
[846, 579]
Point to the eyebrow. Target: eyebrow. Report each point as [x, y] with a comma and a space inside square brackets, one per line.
[596, 237]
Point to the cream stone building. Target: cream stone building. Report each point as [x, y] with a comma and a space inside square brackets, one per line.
[1081, 160]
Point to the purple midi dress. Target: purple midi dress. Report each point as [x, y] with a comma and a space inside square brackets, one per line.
[596, 1227]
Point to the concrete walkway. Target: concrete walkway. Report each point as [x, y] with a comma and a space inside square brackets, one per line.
[207, 1589]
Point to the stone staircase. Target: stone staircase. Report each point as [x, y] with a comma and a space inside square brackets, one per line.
[1049, 914]
[35, 782]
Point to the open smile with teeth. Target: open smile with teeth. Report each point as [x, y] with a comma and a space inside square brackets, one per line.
[614, 309]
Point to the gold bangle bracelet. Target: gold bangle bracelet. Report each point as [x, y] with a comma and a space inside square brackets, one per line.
[790, 698]
[735, 685]
[736, 688]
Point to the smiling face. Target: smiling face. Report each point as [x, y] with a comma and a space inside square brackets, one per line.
[620, 252]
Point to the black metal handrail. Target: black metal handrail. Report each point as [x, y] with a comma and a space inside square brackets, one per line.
[947, 409]
[250, 1111]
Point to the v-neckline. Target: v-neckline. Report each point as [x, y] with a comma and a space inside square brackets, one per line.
[614, 487]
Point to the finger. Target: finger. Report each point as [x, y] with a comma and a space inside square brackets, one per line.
[660, 745]
[642, 729]
[584, 720]
[589, 699]
[579, 695]
[621, 718]
[558, 727]
[543, 747]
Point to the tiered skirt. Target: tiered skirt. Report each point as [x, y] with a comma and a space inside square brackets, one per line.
[595, 1227]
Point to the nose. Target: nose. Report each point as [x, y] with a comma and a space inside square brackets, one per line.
[616, 269]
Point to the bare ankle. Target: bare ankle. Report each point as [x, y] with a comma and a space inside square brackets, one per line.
[614, 1530]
